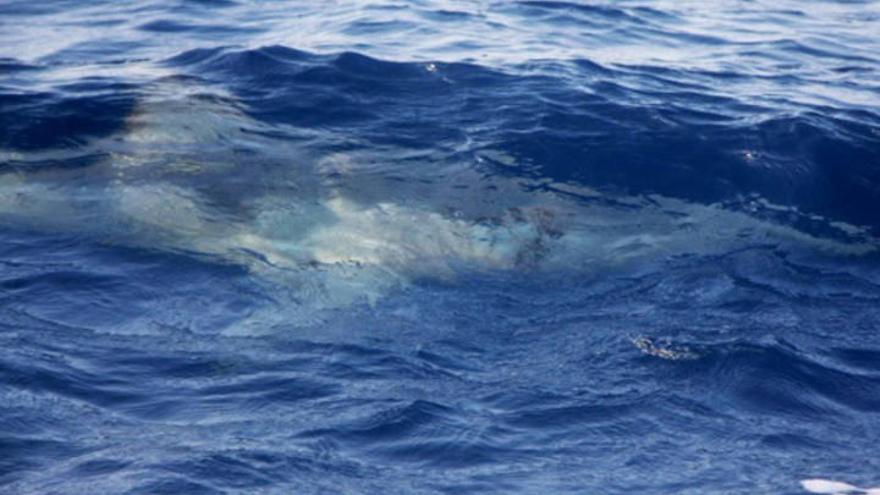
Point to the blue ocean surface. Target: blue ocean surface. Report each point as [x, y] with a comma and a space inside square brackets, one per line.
[439, 247]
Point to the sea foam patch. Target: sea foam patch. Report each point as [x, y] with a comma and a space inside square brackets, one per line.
[829, 487]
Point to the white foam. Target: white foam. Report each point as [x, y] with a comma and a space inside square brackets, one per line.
[829, 487]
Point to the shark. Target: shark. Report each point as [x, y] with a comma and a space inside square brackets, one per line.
[192, 172]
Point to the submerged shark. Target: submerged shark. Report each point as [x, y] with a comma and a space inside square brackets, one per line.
[191, 172]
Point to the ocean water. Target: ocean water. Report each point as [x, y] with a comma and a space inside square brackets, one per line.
[439, 247]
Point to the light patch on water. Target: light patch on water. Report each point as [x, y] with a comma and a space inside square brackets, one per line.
[663, 350]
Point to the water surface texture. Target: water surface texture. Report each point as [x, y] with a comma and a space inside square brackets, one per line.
[439, 246]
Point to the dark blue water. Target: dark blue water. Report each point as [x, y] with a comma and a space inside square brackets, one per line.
[439, 246]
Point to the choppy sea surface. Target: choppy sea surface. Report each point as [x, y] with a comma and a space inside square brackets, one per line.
[439, 246]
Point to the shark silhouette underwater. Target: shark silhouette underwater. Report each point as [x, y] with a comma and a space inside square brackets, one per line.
[334, 234]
